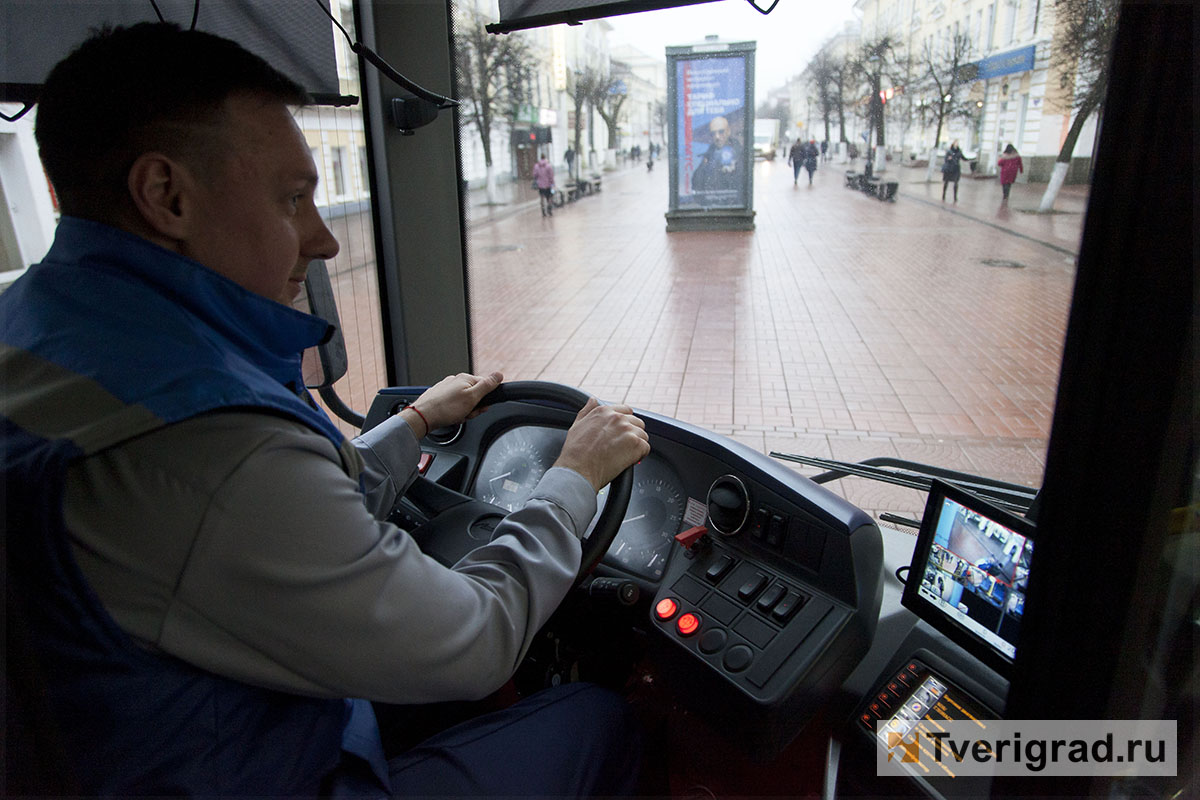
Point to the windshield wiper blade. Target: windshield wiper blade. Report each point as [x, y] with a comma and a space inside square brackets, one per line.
[916, 476]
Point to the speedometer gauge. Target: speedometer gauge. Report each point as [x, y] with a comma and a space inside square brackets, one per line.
[514, 464]
[653, 518]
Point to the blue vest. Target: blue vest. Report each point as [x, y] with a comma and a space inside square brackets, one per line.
[109, 338]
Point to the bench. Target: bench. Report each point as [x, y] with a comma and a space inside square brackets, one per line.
[572, 191]
[871, 185]
[888, 189]
[853, 179]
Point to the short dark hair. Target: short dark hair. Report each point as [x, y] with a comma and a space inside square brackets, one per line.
[130, 90]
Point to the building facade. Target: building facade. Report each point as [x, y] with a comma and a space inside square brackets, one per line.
[1015, 87]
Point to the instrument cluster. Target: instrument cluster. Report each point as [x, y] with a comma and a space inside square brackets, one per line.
[515, 461]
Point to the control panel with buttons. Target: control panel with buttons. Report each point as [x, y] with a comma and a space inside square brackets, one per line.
[749, 622]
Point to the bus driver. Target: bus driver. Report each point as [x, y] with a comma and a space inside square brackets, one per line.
[203, 573]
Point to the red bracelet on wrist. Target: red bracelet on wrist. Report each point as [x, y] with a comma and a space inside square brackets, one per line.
[422, 416]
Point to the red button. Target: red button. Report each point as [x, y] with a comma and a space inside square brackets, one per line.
[666, 608]
[688, 624]
[423, 462]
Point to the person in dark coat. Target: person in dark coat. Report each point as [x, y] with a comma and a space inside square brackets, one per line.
[796, 156]
[952, 169]
[811, 154]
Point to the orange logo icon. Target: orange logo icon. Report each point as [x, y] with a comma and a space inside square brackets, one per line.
[908, 750]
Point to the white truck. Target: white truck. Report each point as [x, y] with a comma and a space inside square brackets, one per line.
[766, 138]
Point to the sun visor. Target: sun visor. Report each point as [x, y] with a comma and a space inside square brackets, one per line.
[294, 36]
[518, 15]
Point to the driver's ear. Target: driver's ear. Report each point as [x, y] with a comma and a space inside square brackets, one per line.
[161, 190]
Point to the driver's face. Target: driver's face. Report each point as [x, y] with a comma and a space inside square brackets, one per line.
[719, 128]
[258, 220]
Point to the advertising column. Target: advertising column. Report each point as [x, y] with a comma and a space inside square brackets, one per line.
[710, 100]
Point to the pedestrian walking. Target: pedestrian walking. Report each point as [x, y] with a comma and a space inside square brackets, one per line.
[569, 157]
[952, 169]
[1010, 165]
[543, 178]
[825, 150]
[811, 154]
[796, 156]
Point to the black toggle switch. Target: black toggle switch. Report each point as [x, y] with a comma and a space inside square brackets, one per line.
[718, 568]
[750, 588]
[787, 607]
[769, 598]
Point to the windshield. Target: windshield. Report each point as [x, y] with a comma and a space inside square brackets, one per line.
[925, 327]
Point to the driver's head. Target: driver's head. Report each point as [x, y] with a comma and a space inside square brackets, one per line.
[148, 87]
[719, 130]
[189, 141]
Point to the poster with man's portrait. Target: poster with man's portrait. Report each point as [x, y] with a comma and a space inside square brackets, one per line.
[711, 125]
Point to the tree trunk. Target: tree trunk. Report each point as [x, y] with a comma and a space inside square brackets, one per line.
[937, 136]
[578, 141]
[1057, 177]
[485, 135]
[1063, 162]
[490, 183]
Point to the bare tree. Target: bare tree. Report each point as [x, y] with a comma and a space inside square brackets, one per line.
[582, 91]
[875, 63]
[946, 76]
[1083, 48]
[660, 117]
[491, 73]
[822, 76]
[841, 77]
[610, 95]
[834, 78]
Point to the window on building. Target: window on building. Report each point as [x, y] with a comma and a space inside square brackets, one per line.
[1010, 25]
[320, 195]
[337, 168]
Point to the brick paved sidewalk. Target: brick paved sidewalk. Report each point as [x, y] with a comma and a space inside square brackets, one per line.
[841, 327]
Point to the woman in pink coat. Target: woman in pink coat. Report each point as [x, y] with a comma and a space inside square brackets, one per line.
[1010, 164]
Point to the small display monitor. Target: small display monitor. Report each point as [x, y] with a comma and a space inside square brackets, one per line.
[969, 573]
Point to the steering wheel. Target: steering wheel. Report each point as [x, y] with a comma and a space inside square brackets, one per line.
[455, 523]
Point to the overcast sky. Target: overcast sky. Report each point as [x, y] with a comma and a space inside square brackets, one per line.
[787, 37]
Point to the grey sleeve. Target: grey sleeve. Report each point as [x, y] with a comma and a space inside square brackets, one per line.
[283, 578]
[389, 452]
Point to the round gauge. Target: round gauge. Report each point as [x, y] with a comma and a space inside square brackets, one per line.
[514, 464]
[655, 513]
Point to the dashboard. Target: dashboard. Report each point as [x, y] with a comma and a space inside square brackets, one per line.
[772, 602]
[780, 607]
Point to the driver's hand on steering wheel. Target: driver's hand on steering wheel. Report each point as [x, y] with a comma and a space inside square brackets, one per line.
[602, 442]
[449, 401]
